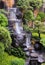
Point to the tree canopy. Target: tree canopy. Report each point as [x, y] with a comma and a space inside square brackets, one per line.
[23, 3]
[35, 3]
[29, 3]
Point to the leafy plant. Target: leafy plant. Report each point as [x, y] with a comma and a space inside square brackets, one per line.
[28, 16]
[18, 52]
[35, 3]
[17, 62]
[3, 20]
[38, 18]
[14, 63]
[23, 3]
[1, 47]
[5, 36]
[41, 15]
[5, 59]
[43, 41]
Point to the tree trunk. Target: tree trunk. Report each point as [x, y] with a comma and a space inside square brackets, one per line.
[36, 11]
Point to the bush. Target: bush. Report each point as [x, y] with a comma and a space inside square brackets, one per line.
[26, 28]
[5, 37]
[41, 15]
[17, 62]
[1, 47]
[3, 20]
[18, 52]
[23, 3]
[28, 16]
[10, 60]
[1, 51]
[38, 18]
[43, 41]
[35, 3]
[14, 63]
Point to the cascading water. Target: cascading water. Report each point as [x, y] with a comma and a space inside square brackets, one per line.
[17, 28]
[28, 40]
[28, 43]
[15, 22]
[12, 14]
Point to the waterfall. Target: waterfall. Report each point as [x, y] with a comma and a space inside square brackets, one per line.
[28, 40]
[15, 22]
[17, 28]
[12, 14]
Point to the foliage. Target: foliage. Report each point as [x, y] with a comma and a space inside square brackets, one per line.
[35, 35]
[38, 18]
[23, 3]
[17, 62]
[41, 15]
[43, 41]
[29, 3]
[35, 3]
[2, 11]
[7, 60]
[1, 47]
[5, 36]
[18, 52]
[39, 26]
[3, 20]
[37, 23]
[14, 63]
[1, 51]
[26, 28]
[28, 16]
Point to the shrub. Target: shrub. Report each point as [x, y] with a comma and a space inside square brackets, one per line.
[3, 20]
[14, 63]
[38, 18]
[18, 52]
[1, 47]
[17, 62]
[5, 36]
[10, 60]
[35, 3]
[28, 16]
[23, 3]
[43, 41]
[1, 51]
[41, 15]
